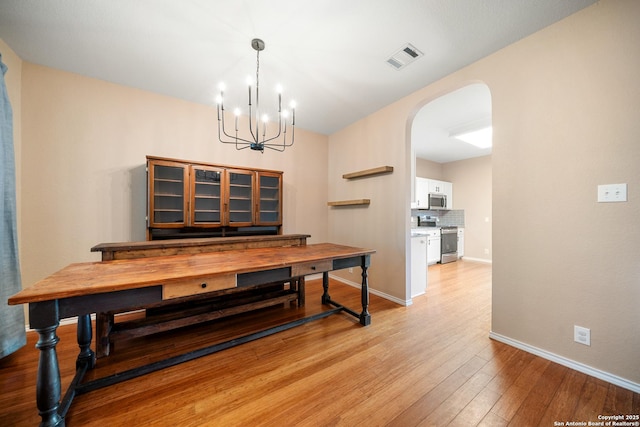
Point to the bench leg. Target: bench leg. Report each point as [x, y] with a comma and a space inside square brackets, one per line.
[301, 291]
[104, 324]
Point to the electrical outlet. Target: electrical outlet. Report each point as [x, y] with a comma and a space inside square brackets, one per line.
[582, 335]
[350, 269]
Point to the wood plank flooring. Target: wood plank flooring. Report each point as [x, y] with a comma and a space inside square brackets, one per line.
[429, 364]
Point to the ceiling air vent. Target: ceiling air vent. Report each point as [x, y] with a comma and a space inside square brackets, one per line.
[403, 57]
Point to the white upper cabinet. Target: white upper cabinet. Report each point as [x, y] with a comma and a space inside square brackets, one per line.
[422, 193]
[425, 186]
[442, 187]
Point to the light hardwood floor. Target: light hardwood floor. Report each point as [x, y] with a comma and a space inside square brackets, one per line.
[429, 364]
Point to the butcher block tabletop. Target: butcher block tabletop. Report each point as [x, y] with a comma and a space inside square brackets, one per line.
[108, 276]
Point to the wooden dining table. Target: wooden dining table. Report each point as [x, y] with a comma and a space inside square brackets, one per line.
[83, 289]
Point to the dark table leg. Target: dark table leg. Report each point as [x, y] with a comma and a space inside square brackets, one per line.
[86, 356]
[365, 317]
[325, 286]
[44, 319]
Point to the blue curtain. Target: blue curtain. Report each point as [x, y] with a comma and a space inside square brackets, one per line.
[12, 333]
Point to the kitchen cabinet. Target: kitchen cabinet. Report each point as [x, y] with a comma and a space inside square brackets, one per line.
[460, 242]
[422, 193]
[418, 265]
[442, 187]
[208, 200]
[433, 246]
[424, 186]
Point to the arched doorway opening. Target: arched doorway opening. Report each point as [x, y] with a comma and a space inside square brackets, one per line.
[440, 154]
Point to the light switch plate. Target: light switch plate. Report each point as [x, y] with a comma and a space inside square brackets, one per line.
[612, 193]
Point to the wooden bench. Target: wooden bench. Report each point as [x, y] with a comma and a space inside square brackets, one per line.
[180, 312]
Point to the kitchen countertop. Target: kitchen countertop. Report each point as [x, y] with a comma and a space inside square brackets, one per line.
[423, 231]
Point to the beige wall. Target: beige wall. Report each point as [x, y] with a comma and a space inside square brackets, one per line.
[428, 169]
[378, 140]
[565, 116]
[83, 177]
[471, 180]
[566, 108]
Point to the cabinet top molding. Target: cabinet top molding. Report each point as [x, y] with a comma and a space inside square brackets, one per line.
[218, 165]
[369, 172]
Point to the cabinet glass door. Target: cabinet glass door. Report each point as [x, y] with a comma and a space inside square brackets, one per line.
[269, 199]
[206, 191]
[168, 201]
[240, 197]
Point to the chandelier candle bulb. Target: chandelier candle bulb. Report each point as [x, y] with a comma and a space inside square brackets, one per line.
[237, 114]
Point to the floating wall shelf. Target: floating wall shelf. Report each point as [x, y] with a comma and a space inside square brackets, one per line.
[369, 172]
[357, 202]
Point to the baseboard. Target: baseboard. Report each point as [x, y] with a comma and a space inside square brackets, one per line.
[585, 369]
[486, 261]
[371, 291]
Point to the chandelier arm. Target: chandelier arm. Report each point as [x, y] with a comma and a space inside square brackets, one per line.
[264, 141]
[284, 141]
[234, 139]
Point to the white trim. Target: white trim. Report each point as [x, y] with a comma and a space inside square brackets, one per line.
[372, 291]
[486, 261]
[580, 367]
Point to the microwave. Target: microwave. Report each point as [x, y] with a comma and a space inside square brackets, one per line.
[437, 201]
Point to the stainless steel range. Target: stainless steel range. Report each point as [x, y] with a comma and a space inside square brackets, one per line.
[448, 244]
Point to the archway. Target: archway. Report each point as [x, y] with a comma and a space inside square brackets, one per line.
[439, 154]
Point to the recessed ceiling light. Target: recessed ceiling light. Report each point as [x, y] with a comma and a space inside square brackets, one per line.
[481, 138]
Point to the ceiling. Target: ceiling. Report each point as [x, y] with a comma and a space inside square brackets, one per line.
[464, 110]
[329, 55]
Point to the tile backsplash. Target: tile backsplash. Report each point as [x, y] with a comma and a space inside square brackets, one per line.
[454, 217]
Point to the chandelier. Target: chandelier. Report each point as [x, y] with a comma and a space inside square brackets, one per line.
[260, 138]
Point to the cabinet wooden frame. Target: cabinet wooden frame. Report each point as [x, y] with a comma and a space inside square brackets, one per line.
[196, 195]
[159, 200]
[266, 204]
[210, 196]
[239, 201]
